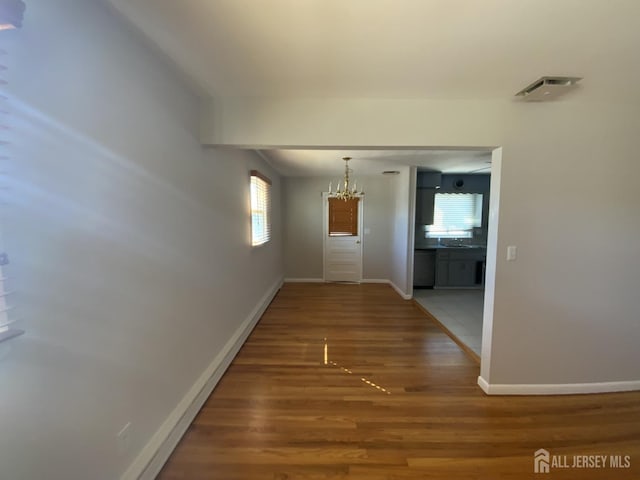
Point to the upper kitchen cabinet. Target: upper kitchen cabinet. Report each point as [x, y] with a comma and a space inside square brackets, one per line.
[429, 180]
[427, 183]
[425, 198]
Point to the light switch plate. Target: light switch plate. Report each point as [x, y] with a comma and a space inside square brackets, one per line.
[512, 253]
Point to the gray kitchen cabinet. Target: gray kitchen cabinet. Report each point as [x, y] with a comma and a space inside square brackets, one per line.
[425, 198]
[429, 180]
[459, 267]
[442, 269]
[462, 273]
[424, 266]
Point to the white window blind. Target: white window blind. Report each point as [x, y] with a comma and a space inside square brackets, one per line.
[260, 208]
[343, 217]
[455, 215]
[6, 321]
[7, 330]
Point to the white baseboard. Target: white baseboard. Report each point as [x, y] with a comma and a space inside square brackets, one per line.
[303, 280]
[557, 389]
[375, 280]
[156, 452]
[483, 385]
[406, 296]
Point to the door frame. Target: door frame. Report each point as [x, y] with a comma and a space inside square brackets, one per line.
[325, 233]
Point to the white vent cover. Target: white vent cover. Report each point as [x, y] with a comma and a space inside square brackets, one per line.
[548, 88]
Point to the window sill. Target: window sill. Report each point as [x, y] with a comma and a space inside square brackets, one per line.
[11, 333]
[263, 244]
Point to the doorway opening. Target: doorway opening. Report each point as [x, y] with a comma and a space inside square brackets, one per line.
[389, 230]
[455, 253]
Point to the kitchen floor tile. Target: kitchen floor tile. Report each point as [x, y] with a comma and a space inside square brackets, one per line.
[459, 310]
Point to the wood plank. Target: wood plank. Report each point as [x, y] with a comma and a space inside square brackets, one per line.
[394, 398]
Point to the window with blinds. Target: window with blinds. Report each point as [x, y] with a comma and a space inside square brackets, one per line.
[455, 215]
[7, 318]
[343, 217]
[260, 208]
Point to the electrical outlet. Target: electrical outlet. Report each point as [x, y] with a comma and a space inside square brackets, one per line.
[4, 259]
[123, 439]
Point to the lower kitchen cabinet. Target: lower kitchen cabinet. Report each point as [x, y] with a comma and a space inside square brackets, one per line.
[460, 267]
[424, 266]
[462, 273]
[442, 270]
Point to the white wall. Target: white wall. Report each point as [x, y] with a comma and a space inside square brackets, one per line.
[302, 205]
[402, 219]
[129, 244]
[566, 311]
[356, 122]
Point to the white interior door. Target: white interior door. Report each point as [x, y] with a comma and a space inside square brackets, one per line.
[342, 249]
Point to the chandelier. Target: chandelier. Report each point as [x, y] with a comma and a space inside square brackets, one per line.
[345, 191]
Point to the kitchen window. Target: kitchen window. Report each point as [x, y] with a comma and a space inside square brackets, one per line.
[455, 215]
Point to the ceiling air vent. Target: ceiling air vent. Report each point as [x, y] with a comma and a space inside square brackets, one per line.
[548, 88]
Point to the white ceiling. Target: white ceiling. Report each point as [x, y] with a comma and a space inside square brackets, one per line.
[374, 162]
[393, 49]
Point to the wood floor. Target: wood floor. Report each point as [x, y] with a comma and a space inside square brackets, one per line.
[352, 382]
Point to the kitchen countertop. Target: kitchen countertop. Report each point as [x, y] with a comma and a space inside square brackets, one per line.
[452, 247]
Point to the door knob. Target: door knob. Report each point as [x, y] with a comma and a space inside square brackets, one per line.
[358, 241]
